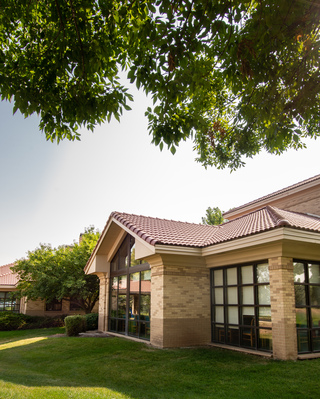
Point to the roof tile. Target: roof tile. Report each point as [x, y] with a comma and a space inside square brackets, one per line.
[7, 277]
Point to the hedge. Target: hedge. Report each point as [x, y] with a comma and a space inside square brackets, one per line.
[19, 321]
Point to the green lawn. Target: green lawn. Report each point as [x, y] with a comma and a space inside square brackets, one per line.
[34, 364]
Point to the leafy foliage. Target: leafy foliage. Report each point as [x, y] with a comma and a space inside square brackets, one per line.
[17, 321]
[57, 273]
[92, 321]
[213, 216]
[237, 76]
[75, 325]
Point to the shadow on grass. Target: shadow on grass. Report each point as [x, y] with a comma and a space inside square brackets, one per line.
[137, 371]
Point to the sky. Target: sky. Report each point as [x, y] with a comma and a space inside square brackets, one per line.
[51, 192]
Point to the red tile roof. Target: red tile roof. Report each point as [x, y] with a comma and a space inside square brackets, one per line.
[169, 232]
[276, 193]
[7, 277]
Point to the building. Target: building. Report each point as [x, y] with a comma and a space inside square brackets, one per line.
[8, 283]
[252, 283]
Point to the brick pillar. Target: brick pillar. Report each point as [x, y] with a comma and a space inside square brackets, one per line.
[180, 302]
[103, 301]
[283, 312]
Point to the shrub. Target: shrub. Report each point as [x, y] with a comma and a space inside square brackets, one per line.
[92, 321]
[75, 325]
[19, 321]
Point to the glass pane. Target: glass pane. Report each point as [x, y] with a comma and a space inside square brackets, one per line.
[123, 253]
[121, 326]
[134, 295]
[316, 340]
[133, 327]
[248, 315]
[248, 337]
[233, 316]
[264, 317]
[314, 274]
[145, 307]
[301, 317]
[315, 316]
[298, 272]
[232, 295]
[113, 300]
[219, 314]
[233, 335]
[2, 294]
[247, 295]
[112, 325]
[314, 295]
[265, 339]
[303, 341]
[146, 281]
[218, 277]
[218, 296]
[247, 275]
[263, 273]
[264, 294]
[122, 284]
[232, 276]
[114, 263]
[300, 294]
[122, 305]
[219, 333]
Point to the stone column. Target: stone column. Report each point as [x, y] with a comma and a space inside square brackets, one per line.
[283, 312]
[103, 301]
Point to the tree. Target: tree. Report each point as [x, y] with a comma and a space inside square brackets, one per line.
[213, 216]
[236, 76]
[57, 273]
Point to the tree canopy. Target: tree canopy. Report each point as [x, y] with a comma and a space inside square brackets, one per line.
[236, 76]
[213, 216]
[57, 273]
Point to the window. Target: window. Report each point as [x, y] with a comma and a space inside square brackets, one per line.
[130, 293]
[241, 312]
[54, 306]
[7, 303]
[307, 297]
[74, 305]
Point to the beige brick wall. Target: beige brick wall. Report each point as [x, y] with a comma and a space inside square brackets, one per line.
[180, 303]
[283, 308]
[103, 301]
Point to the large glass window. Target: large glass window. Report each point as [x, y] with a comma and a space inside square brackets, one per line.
[130, 293]
[7, 303]
[241, 312]
[307, 297]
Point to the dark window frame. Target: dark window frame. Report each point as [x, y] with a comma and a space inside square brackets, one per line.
[54, 306]
[122, 325]
[7, 304]
[307, 334]
[221, 331]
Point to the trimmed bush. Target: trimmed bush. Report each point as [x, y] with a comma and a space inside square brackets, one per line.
[92, 321]
[75, 325]
[18, 321]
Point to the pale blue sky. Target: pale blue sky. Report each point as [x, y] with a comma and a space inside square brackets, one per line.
[50, 192]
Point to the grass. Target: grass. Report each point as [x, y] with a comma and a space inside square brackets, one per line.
[34, 364]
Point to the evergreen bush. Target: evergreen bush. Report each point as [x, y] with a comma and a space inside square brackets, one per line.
[92, 321]
[75, 325]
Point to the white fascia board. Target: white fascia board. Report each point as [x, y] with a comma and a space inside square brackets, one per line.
[263, 238]
[240, 243]
[175, 250]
